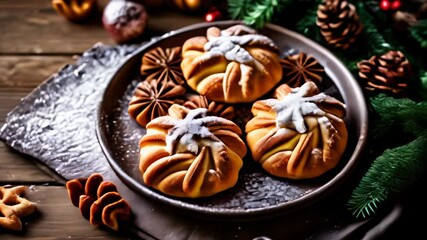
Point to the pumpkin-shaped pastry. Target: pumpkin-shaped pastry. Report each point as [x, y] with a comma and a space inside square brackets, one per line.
[232, 65]
[191, 154]
[299, 134]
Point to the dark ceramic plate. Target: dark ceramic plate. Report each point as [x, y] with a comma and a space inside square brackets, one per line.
[257, 194]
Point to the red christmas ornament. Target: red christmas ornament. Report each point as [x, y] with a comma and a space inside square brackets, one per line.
[390, 5]
[213, 15]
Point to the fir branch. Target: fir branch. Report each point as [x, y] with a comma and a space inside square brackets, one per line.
[419, 32]
[393, 171]
[377, 43]
[409, 114]
[424, 79]
[256, 13]
[238, 9]
[307, 24]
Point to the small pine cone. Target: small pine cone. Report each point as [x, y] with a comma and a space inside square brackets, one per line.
[98, 201]
[389, 73]
[339, 23]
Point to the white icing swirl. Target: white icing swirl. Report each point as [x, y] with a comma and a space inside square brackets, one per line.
[187, 133]
[292, 109]
[231, 46]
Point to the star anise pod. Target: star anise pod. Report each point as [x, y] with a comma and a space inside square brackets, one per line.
[214, 108]
[152, 98]
[300, 68]
[163, 64]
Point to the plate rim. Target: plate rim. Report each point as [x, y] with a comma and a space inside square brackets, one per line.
[242, 214]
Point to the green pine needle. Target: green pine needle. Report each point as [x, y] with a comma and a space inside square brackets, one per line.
[238, 9]
[419, 32]
[412, 116]
[396, 168]
[307, 24]
[255, 13]
[391, 172]
[374, 36]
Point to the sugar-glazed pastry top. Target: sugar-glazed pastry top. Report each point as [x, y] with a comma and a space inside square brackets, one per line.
[191, 154]
[299, 134]
[232, 65]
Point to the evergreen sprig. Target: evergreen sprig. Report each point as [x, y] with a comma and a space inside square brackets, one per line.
[391, 172]
[396, 168]
[419, 32]
[255, 13]
[374, 34]
[307, 24]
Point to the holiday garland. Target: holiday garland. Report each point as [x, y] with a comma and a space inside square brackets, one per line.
[394, 33]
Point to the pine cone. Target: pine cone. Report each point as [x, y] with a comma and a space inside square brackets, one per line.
[339, 23]
[389, 73]
[98, 201]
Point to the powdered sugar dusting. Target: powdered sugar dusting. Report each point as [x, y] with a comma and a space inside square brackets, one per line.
[292, 109]
[184, 136]
[231, 46]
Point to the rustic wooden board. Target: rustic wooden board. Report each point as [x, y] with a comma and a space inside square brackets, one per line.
[36, 42]
[27, 72]
[8, 100]
[19, 168]
[56, 218]
[33, 26]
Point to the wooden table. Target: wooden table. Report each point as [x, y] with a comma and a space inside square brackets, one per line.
[35, 42]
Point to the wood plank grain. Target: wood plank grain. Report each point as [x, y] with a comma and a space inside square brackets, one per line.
[8, 101]
[27, 72]
[20, 168]
[56, 218]
[33, 26]
[37, 28]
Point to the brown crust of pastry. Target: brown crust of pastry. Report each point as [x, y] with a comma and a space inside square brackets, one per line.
[169, 169]
[287, 153]
[223, 80]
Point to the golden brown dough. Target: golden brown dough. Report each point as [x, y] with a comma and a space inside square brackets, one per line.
[233, 65]
[191, 154]
[299, 135]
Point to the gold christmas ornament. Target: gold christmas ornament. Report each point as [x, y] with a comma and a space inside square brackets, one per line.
[188, 5]
[74, 10]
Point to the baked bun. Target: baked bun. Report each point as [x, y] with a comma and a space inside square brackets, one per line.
[233, 65]
[190, 154]
[298, 135]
